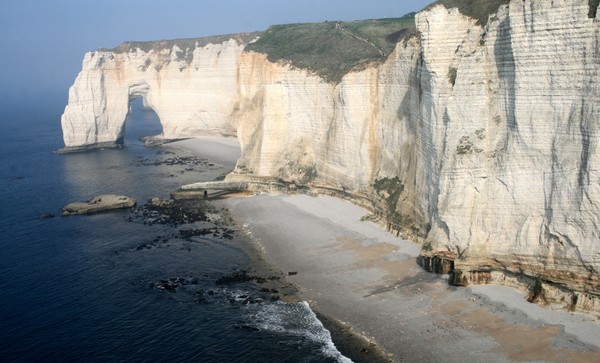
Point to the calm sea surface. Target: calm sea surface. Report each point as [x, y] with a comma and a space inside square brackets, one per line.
[78, 289]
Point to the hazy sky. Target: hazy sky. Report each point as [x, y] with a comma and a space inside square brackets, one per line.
[42, 42]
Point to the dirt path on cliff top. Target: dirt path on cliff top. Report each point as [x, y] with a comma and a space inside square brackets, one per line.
[365, 277]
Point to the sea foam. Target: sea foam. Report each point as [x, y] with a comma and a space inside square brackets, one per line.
[299, 320]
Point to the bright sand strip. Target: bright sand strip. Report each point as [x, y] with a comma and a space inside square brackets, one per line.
[357, 273]
[368, 279]
[225, 151]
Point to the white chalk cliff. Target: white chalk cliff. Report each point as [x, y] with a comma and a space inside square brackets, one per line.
[193, 91]
[481, 142]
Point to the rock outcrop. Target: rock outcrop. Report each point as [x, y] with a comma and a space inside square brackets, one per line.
[101, 203]
[191, 85]
[480, 141]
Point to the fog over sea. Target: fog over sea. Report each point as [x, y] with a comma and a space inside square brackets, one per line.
[91, 288]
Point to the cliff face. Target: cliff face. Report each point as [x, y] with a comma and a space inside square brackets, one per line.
[513, 138]
[193, 91]
[478, 141]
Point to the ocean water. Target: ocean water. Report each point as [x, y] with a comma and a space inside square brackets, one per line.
[79, 289]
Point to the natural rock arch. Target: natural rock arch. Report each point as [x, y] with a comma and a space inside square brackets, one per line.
[192, 96]
[138, 91]
[141, 124]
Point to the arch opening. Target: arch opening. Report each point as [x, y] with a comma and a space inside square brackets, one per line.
[141, 123]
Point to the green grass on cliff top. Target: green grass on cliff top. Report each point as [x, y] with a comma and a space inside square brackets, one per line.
[476, 9]
[482, 9]
[332, 49]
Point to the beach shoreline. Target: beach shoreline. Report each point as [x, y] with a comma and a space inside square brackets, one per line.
[354, 272]
[367, 280]
[347, 341]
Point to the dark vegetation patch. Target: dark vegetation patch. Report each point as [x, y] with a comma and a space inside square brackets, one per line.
[452, 72]
[332, 49]
[476, 9]
[390, 189]
[183, 44]
[593, 8]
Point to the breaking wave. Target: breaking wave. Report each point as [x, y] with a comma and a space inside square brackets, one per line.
[297, 319]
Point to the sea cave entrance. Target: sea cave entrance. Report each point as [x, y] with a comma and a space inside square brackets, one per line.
[141, 124]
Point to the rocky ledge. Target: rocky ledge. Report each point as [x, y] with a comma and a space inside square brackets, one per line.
[98, 204]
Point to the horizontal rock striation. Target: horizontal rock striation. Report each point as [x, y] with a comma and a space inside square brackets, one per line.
[479, 141]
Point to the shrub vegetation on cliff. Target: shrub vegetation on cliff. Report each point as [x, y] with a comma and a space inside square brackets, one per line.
[476, 9]
[482, 9]
[332, 49]
[593, 8]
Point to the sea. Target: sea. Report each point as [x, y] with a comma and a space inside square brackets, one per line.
[80, 288]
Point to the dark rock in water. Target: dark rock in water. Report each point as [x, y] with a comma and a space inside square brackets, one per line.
[234, 277]
[189, 233]
[47, 215]
[292, 273]
[173, 283]
[170, 212]
[246, 327]
[188, 161]
[226, 296]
[243, 276]
[98, 204]
[156, 242]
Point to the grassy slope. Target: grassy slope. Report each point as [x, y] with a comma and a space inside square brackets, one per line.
[328, 51]
[332, 49]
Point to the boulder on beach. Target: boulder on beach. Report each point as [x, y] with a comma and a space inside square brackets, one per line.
[98, 204]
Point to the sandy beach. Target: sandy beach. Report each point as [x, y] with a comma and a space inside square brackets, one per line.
[222, 150]
[368, 280]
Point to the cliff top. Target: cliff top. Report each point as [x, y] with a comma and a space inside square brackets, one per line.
[482, 9]
[333, 48]
[188, 43]
[476, 9]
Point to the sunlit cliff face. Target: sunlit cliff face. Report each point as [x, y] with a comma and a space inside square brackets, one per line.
[478, 141]
[192, 94]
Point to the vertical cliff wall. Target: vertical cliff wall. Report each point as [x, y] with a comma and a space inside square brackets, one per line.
[516, 151]
[360, 136]
[480, 141]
